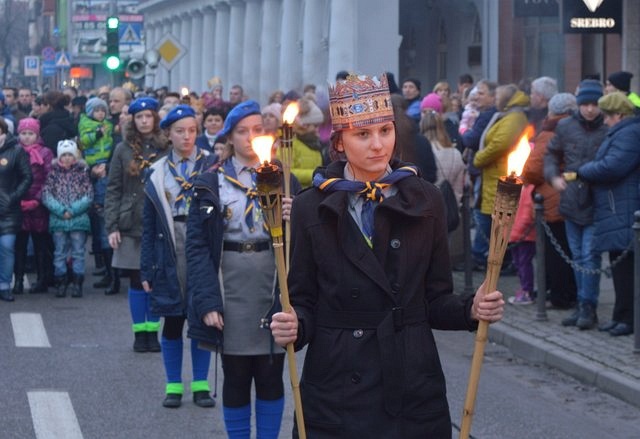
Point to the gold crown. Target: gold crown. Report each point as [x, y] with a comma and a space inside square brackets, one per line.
[359, 101]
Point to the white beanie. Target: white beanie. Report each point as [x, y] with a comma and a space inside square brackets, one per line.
[310, 113]
[67, 147]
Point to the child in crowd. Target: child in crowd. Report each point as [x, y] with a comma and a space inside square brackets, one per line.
[68, 195]
[96, 142]
[212, 123]
[35, 217]
[523, 246]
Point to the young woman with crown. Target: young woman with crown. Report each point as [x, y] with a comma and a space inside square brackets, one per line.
[370, 278]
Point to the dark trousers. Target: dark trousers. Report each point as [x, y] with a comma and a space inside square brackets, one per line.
[265, 371]
[561, 283]
[42, 253]
[622, 275]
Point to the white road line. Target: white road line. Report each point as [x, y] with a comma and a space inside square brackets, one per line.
[53, 415]
[28, 330]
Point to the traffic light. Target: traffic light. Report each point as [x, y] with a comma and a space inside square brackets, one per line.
[113, 44]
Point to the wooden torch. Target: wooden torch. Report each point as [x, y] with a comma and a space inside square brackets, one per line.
[269, 183]
[502, 218]
[286, 153]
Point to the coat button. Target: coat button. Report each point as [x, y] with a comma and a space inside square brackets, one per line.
[160, 235]
[395, 288]
[395, 243]
[356, 378]
[355, 293]
[358, 333]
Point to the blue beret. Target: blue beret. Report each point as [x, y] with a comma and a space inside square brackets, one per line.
[178, 112]
[237, 113]
[1, 96]
[143, 104]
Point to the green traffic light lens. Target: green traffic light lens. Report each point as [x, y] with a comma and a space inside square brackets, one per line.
[113, 62]
[112, 22]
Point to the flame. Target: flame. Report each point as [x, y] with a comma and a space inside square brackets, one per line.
[520, 153]
[184, 91]
[262, 147]
[290, 113]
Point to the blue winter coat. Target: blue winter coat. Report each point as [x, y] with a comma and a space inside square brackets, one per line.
[158, 253]
[615, 177]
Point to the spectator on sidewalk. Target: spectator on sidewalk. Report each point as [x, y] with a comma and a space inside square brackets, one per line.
[56, 123]
[576, 141]
[522, 245]
[542, 90]
[615, 179]
[621, 81]
[560, 281]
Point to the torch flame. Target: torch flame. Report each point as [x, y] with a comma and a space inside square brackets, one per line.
[290, 113]
[262, 147]
[520, 153]
[184, 91]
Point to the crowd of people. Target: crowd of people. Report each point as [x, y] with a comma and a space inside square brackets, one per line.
[164, 184]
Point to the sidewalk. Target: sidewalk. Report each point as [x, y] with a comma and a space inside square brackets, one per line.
[594, 357]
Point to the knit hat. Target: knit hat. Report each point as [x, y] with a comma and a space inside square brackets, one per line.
[589, 91]
[178, 112]
[30, 124]
[310, 113]
[93, 104]
[432, 101]
[67, 147]
[621, 80]
[275, 109]
[415, 81]
[562, 103]
[616, 103]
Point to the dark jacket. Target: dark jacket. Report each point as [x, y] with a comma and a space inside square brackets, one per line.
[372, 367]
[204, 249]
[15, 180]
[203, 143]
[615, 177]
[575, 143]
[56, 125]
[37, 220]
[158, 251]
[124, 199]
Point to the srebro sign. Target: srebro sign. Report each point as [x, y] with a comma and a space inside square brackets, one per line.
[592, 16]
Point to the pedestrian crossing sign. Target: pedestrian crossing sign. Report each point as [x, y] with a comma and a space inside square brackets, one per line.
[62, 60]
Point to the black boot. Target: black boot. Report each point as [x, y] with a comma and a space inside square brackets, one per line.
[7, 296]
[78, 279]
[587, 317]
[114, 288]
[18, 285]
[152, 341]
[572, 319]
[107, 278]
[140, 342]
[61, 285]
[100, 268]
[41, 270]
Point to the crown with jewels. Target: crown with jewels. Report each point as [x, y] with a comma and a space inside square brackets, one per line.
[359, 101]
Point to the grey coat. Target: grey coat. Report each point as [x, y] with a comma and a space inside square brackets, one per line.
[575, 143]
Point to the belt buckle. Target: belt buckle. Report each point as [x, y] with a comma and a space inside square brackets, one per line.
[248, 247]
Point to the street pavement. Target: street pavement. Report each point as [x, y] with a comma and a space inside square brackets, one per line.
[593, 357]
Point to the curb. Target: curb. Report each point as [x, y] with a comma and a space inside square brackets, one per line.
[538, 351]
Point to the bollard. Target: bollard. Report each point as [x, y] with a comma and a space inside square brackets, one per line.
[636, 282]
[541, 271]
[466, 239]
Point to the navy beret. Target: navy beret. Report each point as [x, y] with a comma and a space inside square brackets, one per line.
[237, 113]
[143, 104]
[178, 112]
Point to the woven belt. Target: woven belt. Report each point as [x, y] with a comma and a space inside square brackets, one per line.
[247, 246]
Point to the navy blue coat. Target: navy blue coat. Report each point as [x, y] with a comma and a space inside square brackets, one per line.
[203, 143]
[158, 253]
[615, 177]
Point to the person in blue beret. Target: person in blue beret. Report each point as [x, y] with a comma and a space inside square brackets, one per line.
[143, 144]
[227, 234]
[168, 193]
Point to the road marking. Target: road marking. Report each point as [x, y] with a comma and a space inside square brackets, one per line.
[28, 330]
[53, 415]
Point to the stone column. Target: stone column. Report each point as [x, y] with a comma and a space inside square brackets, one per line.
[290, 59]
[251, 70]
[313, 52]
[196, 54]
[269, 56]
[236, 44]
[221, 52]
[208, 47]
[342, 37]
[186, 62]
